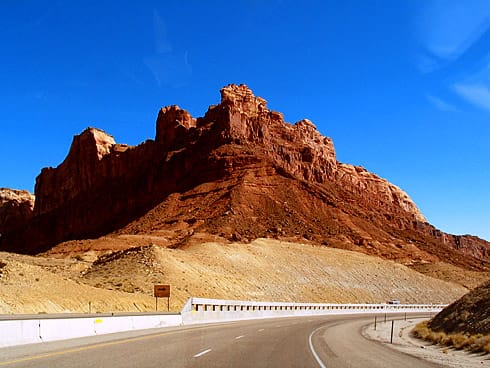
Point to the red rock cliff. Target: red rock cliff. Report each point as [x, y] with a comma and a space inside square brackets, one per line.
[16, 209]
[102, 186]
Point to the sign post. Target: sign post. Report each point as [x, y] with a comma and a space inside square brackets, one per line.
[161, 291]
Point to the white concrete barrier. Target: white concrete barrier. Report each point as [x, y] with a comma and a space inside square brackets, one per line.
[112, 324]
[19, 332]
[157, 321]
[60, 329]
[28, 331]
[128, 323]
[196, 310]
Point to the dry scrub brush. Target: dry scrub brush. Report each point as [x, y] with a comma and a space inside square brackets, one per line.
[474, 343]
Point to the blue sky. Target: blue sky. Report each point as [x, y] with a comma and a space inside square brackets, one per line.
[402, 86]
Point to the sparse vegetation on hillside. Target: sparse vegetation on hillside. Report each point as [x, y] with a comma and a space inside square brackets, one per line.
[474, 343]
[465, 324]
[469, 315]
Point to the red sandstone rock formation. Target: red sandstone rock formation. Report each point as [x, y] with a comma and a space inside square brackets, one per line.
[240, 172]
[16, 208]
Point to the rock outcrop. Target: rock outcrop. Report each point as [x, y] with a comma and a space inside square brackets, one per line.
[16, 209]
[239, 171]
[78, 173]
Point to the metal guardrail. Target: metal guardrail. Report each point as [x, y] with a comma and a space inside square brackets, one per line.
[217, 305]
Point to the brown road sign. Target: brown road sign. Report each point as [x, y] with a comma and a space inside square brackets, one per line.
[161, 291]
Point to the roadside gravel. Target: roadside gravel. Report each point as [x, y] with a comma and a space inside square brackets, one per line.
[403, 341]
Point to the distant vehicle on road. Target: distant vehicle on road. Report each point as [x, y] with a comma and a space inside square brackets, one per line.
[393, 301]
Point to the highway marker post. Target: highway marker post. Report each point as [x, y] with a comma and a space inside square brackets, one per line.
[392, 326]
[161, 291]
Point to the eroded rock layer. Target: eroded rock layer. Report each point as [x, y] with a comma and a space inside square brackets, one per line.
[240, 172]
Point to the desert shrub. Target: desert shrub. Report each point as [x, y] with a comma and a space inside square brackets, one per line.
[482, 344]
[476, 343]
[437, 337]
[421, 330]
[486, 348]
[459, 341]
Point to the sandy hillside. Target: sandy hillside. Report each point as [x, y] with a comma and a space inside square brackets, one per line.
[29, 288]
[448, 272]
[262, 270]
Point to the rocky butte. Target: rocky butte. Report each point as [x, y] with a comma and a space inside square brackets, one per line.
[239, 172]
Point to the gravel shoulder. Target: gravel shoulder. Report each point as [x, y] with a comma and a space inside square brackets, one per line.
[404, 342]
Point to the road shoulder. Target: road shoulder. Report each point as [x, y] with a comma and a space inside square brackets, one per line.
[404, 342]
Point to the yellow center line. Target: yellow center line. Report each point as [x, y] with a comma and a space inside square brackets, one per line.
[112, 343]
[84, 348]
[105, 344]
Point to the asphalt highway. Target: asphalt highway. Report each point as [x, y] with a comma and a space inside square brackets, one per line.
[326, 341]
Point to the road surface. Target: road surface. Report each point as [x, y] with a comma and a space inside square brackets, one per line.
[325, 341]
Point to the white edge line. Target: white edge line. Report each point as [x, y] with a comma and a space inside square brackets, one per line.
[202, 353]
[317, 358]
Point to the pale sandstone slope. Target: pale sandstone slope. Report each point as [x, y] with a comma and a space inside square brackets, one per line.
[262, 270]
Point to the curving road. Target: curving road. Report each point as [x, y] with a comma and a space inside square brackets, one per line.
[326, 341]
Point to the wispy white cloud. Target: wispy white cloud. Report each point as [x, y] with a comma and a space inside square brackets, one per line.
[168, 66]
[447, 28]
[171, 69]
[440, 104]
[162, 44]
[476, 94]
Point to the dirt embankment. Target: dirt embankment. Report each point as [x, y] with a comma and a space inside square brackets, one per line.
[468, 315]
[262, 270]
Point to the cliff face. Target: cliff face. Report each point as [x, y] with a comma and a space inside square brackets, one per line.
[16, 208]
[78, 173]
[242, 172]
[297, 150]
